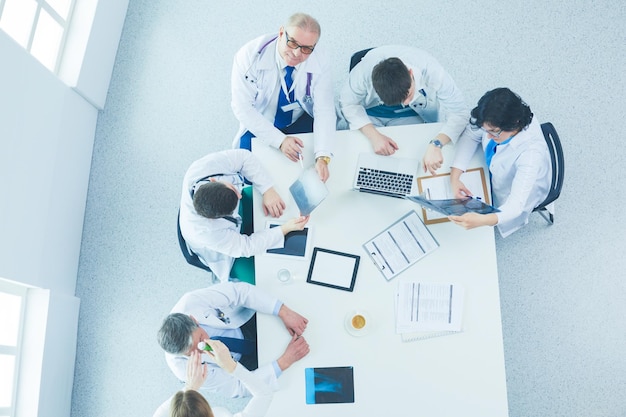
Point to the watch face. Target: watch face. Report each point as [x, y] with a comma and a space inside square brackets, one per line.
[437, 143]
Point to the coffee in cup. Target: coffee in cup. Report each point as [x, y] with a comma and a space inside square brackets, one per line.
[358, 321]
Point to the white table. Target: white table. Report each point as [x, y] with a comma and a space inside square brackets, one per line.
[456, 375]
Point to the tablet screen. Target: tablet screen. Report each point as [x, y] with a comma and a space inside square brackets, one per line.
[295, 243]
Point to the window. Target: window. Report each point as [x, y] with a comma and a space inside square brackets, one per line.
[12, 301]
[40, 26]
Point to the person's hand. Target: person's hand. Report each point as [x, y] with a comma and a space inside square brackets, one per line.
[196, 371]
[383, 145]
[294, 224]
[221, 355]
[297, 349]
[433, 158]
[273, 205]
[322, 169]
[294, 322]
[291, 147]
[472, 220]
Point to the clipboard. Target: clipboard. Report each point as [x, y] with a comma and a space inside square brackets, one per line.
[437, 187]
[400, 245]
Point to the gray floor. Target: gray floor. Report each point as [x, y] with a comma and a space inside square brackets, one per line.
[562, 287]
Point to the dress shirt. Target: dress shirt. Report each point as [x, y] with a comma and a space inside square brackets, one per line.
[218, 241]
[256, 77]
[441, 91]
[238, 301]
[521, 172]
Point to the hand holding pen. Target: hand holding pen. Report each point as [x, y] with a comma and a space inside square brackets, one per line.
[292, 148]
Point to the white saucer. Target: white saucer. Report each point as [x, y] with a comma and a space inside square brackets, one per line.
[358, 332]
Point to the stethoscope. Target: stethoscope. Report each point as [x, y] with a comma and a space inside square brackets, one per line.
[309, 77]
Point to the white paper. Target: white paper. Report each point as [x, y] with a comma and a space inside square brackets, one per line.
[429, 307]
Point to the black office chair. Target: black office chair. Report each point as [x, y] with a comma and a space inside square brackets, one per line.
[357, 57]
[190, 257]
[558, 167]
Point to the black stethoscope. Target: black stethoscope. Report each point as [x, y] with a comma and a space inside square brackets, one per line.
[309, 77]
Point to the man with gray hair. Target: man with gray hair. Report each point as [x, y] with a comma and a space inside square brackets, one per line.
[281, 86]
[226, 312]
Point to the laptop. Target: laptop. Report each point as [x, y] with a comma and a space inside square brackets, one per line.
[386, 175]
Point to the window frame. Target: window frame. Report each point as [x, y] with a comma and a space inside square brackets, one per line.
[63, 23]
[20, 290]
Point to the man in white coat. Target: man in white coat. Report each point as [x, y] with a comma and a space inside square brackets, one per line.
[281, 86]
[394, 85]
[220, 311]
[209, 205]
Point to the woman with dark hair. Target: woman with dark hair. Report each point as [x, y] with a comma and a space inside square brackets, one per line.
[517, 157]
[190, 403]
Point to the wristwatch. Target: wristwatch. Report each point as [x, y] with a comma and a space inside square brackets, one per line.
[323, 158]
[437, 143]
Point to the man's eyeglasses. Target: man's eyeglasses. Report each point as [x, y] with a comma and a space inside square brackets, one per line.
[306, 50]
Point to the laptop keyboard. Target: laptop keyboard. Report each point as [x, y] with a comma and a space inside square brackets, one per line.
[384, 181]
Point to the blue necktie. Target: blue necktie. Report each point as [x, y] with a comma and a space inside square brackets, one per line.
[283, 118]
[243, 346]
[491, 148]
[490, 151]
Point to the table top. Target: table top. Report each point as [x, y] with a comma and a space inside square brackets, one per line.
[459, 374]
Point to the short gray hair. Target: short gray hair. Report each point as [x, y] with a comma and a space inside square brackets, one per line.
[304, 22]
[176, 333]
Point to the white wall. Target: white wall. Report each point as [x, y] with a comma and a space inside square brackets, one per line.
[46, 140]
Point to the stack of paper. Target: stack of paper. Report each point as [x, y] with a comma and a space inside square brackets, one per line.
[425, 310]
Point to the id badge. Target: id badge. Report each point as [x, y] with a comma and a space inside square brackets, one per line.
[291, 106]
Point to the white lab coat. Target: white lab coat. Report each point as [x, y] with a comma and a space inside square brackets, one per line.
[443, 102]
[255, 84]
[238, 301]
[218, 241]
[521, 172]
[257, 407]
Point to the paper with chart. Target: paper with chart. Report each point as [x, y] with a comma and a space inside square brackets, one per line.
[428, 307]
[401, 245]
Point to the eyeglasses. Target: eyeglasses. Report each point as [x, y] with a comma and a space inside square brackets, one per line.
[306, 50]
[492, 133]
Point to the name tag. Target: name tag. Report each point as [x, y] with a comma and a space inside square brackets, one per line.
[291, 106]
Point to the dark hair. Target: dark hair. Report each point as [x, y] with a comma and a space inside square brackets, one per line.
[176, 333]
[190, 403]
[503, 109]
[214, 200]
[392, 81]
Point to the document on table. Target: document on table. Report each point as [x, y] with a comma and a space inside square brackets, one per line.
[426, 310]
[401, 245]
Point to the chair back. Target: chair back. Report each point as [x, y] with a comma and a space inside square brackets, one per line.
[558, 167]
[357, 57]
[190, 257]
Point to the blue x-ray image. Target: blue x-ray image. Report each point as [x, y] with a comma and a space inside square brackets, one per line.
[329, 385]
[308, 191]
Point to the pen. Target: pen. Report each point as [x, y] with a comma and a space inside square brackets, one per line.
[300, 159]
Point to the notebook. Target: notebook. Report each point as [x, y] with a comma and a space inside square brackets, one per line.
[386, 175]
